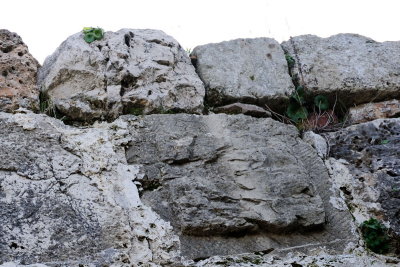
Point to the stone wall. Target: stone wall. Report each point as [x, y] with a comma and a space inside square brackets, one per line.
[127, 151]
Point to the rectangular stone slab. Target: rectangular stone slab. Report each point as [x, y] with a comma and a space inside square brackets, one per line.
[355, 68]
[244, 70]
[232, 184]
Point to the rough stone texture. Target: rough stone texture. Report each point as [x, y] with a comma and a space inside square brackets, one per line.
[13, 264]
[373, 111]
[127, 72]
[244, 70]
[231, 184]
[356, 68]
[316, 259]
[18, 71]
[317, 142]
[67, 198]
[366, 168]
[246, 109]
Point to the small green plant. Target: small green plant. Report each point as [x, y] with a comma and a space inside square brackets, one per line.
[92, 34]
[375, 236]
[385, 141]
[46, 105]
[296, 110]
[188, 51]
[290, 60]
[321, 102]
[137, 111]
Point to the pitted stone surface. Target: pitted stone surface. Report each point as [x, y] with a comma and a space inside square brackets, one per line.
[127, 72]
[370, 154]
[250, 71]
[354, 68]
[18, 71]
[67, 198]
[220, 176]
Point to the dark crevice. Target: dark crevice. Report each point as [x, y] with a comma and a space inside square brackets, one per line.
[392, 173]
[6, 49]
[163, 62]
[14, 245]
[128, 82]
[127, 39]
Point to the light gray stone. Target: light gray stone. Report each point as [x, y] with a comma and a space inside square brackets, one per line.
[68, 198]
[244, 70]
[314, 259]
[354, 68]
[233, 183]
[317, 142]
[127, 72]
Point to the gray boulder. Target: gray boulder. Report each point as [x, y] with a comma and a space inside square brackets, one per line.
[232, 184]
[67, 198]
[127, 72]
[354, 68]
[250, 71]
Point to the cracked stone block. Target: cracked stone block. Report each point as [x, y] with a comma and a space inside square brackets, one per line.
[67, 198]
[349, 68]
[252, 71]
[234, 183]
[370, 169]
[127, 72]
[18, 71]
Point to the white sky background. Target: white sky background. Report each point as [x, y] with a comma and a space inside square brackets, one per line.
[44, 24]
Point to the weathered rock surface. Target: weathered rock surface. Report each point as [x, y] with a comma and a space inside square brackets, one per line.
[67, 198]
[355, 68]
[317, 142]
[366, 167]
[195, 190]
[314, 259]
[246, 109]
[18, 71]
[244, 70]
[127, 72]
[233, 184]
[373, 111]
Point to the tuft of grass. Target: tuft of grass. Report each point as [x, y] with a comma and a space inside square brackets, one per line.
[290, 60]
[46, 105]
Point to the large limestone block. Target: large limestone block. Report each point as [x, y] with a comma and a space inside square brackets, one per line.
[355, 68]
[127, 72]
[232, 184]
[366, 167]
[67, 198]
[244, 70]
[18, 71]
